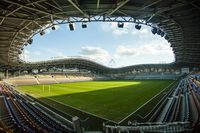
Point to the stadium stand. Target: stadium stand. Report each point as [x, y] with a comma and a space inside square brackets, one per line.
[19, 114]
[46, 79]
[52, 78]
[61, 78]
[22, 80]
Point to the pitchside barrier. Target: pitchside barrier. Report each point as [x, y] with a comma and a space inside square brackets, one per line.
[150, 127]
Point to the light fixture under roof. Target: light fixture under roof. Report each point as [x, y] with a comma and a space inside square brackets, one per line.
[138, 27]
[53, 27]
[71, 27]
[30, 41]
[154, 30]
[159, 31]
[42, 32]
[166, 37]
[84, 25]
[162, 33]
[120, 24]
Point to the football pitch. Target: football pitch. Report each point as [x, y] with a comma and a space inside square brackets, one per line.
[113, 100]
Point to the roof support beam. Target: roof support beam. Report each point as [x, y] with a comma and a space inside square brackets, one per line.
[192, 3]
[57, 4]
[119, 5]
[31, 8]
[151, 3]
[58, 8]
[98, 1]
[10, 14]
[78, 8]
[16, 18]
[195, 6]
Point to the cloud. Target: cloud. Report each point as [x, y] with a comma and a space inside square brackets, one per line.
[154, 51]
[125, 51]
[154, 47]
[112, 27]
[144, 30]
[61, 54]
[30, 55]
[95, 53]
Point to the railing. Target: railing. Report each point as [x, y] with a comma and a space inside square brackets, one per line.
[150, 127]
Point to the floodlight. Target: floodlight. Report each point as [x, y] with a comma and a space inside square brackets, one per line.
[166, 37]
[138, 27]
[26, 44]
[120, 24]
[30, 41]
[53, 27]
[84, 25]
[162, 33]
[159, 31]
[154, 30]
[71, 27]
[42, 33]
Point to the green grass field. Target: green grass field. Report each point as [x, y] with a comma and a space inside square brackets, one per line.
[113, 100]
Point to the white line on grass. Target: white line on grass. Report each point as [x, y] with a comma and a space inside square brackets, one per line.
[75, 108]
[145, 103]
[81, 110]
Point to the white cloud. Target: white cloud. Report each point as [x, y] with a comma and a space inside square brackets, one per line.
[61, 54]
[112, 27]
[30, 55]
[155, 51]
[151, 48]
[144, 30]
[95, 53]
[125, 51]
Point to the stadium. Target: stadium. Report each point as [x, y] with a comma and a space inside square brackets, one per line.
[81, 95]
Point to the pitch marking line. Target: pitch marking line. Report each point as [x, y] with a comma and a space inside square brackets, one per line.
[81, 110]
[144, 103]
[75, 109]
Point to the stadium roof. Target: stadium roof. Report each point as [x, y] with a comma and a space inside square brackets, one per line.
[179, 19]
[86, 64]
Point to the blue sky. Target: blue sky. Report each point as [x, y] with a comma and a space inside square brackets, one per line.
[101, 42]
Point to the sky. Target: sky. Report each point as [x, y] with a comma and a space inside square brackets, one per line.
[102, 42]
